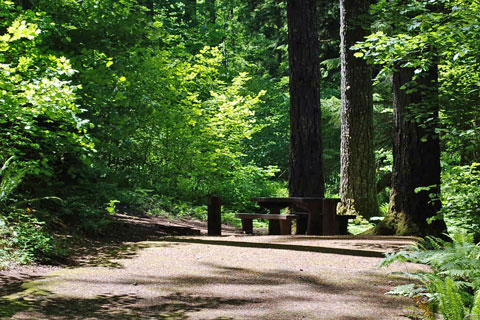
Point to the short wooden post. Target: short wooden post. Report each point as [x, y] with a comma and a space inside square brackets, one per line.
[214, 216]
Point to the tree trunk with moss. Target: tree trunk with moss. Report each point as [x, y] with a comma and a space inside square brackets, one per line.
[357, 174]
[306, 165]
[416, 156]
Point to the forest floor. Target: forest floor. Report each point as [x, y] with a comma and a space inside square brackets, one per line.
[142, 270]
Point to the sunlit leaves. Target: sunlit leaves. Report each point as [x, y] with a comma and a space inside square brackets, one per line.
[38, 103]
[21, 29]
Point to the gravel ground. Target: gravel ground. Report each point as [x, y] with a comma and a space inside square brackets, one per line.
[230, 277]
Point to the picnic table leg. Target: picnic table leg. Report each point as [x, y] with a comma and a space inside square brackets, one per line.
[285, 226]
[302, 223]
[247, 226]
[274, 225]
[315, 219]
[342, 225]
[329, 225]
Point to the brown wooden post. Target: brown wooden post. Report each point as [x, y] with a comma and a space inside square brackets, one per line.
[214, 216]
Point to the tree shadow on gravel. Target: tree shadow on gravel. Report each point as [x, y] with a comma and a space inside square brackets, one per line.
[279, 246]
[108, 255]
[12, 284]
[110, 307]
[122, 240]
[182, 296]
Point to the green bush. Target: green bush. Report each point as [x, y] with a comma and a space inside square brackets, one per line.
[461, 199]
[453, 285]
[25, 239]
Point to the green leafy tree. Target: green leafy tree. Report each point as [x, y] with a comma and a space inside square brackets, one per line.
[40, 124]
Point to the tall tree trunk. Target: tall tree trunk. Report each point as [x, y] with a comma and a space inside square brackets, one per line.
[357, 175]
[306, 164]
[210, 11]
[416, 156]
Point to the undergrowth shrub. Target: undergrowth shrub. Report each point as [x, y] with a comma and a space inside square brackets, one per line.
[461, 199]
[453, 285]
[25, 239]
[81, 214]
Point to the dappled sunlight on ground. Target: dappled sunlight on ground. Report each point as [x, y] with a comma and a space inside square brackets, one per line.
[185, 278]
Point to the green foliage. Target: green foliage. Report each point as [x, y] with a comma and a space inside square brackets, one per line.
[461, 199]
[24, 239]
[10, 178]
[475, 314]
[450, 302]
[111, 207]
[40, 130]
[40, 120]
[454, 282]
[359, 225]
[417, 39]
[406, 290]
[166, 112]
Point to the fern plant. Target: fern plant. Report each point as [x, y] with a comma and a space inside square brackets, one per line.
[10, 178]
[449, 299]
[453, 285]
[475, 313]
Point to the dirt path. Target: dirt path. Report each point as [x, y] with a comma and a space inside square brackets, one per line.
[231, 277]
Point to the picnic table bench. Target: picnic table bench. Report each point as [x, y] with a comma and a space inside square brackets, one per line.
[284, 220]
[320, 219]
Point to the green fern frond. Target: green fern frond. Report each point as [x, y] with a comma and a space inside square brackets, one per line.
[10, 178]
[449, 300]
[475, 313]
[454, 274]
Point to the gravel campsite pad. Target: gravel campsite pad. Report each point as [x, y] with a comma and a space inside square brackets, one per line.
[230, 277]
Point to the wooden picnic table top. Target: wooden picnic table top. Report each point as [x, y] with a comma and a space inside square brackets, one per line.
[288, 200]
[266, 216]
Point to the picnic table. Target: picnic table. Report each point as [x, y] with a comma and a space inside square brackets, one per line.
[321, 216]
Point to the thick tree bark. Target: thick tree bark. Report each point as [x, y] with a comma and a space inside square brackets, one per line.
[357, 174]
[416, 156]
[306, 164]
[384, 182]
